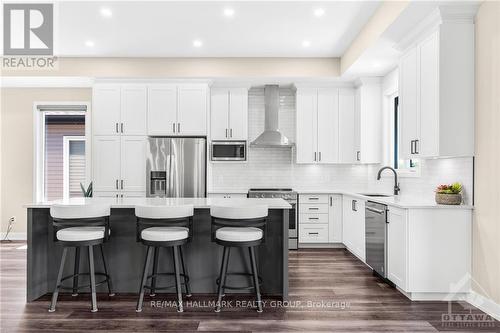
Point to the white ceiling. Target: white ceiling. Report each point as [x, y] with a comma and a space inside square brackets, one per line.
[168, 29]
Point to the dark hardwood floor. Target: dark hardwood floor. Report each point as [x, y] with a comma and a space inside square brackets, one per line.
[330, 290]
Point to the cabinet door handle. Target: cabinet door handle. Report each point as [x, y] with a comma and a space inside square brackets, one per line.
[416, 147]
[121, 184]
[412, 151]
[178, 127]
[117, 195]
[121, 195]
[116, 184]
[314, 156]
[353, 205]
[331, 201]
[226, 133]
[319, 156]
[173, 127]
[121, 127]
[116, 127]
[358, 156]
[230, 132]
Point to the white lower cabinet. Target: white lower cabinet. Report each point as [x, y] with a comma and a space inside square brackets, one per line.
[353, 225]
[320, 219]
[397, 247]
[429, 252]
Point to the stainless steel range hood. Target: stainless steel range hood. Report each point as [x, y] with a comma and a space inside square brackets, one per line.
[271, 137]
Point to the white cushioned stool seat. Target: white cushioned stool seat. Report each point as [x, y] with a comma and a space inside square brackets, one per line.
[239, 212]
[80, 234]
[242, 234]
[165, 234]
[164, 212]
[85, 211]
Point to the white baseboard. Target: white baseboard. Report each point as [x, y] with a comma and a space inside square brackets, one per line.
[484, 304]
[321, 246]
[15, 236]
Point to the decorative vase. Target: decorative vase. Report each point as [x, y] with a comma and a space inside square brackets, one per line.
[448, 199]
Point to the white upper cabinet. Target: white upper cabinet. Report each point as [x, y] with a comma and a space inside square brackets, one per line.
[347, 126]
[219, 114]
[133, 110]
[119, 109]
[317, 125]
[177, 109]
[192, 110]
[162, 109]
[306, 126]
[238, 114]
[229, 114]
[328, 123]
[106, 109]
[368, 121]
[437, 89]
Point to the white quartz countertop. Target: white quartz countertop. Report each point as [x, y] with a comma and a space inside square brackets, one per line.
[197, 202]
[400, 201]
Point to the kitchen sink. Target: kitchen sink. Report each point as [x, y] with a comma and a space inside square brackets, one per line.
[376, 195]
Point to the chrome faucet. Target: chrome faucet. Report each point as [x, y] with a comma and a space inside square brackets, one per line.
[396, 184]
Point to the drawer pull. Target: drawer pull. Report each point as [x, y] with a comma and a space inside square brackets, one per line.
[313, 208]
[313, 233]
[313, 218]
[313, 198]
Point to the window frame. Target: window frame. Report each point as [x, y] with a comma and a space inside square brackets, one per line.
[39, 142]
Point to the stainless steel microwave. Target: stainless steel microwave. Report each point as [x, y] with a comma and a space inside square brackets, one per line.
[228, 151]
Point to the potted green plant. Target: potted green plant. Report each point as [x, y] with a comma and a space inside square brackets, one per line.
[449, 194]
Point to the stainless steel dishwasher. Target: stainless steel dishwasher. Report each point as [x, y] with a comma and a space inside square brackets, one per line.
[376, 237]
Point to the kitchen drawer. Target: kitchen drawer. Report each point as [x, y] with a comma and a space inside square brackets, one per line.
[313, 198]
[309, 233]
[313, 218]
[313, 208]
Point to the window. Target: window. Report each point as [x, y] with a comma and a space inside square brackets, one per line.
[404, 166]
[73, 166]
[61, 162]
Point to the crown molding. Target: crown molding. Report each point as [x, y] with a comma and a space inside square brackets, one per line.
[46, 82]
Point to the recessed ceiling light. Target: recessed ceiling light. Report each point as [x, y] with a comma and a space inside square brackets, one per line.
[106, 12]
[89, 43]
[319, 12]
[197, 43]
[306, 43]
[229, 12]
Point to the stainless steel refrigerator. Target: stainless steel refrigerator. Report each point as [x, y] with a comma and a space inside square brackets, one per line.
[176, 167]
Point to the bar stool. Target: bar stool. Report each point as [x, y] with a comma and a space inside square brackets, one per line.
[81, 226]
[164, 226]
[242, 227]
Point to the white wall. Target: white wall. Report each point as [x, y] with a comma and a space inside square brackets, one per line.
[276, 167]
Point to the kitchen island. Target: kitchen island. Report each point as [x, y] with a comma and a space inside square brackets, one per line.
[125, 256]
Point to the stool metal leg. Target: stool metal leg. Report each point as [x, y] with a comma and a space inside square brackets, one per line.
[92, 279]
[76, 271]
[222, 277]
[155, 270]
[186, 276]
[143, 280]
[58, 282]
[178, 286]
[110, 284]
[255, 278]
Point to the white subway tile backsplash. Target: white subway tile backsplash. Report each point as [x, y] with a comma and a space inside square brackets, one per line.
[275, 167]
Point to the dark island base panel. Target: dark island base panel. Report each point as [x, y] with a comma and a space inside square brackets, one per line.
[125, 257]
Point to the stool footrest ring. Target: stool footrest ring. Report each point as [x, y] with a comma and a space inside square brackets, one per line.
[217, 281]
[165, 287]
[107, 278]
